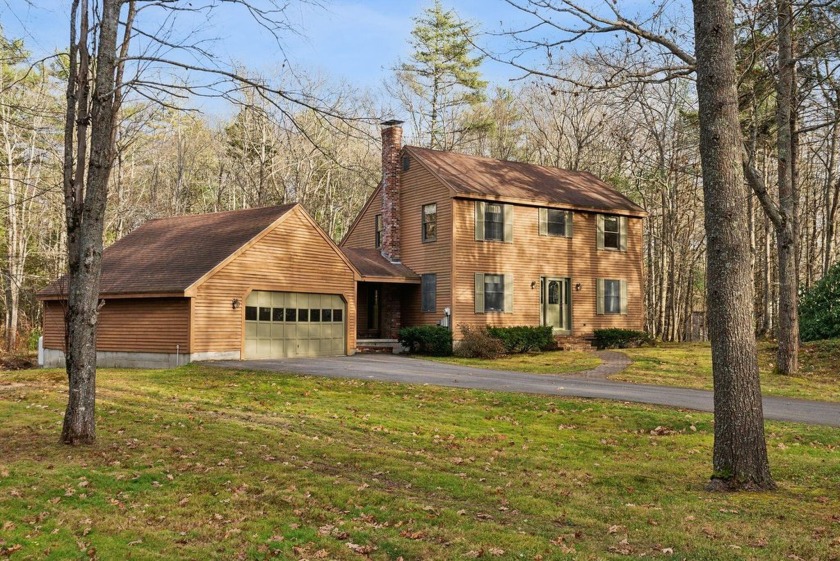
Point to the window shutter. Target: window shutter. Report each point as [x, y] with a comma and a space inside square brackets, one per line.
[508, 210]
[479, 221]
[600, 232]
[599, 296]
[543, 220]
[479, 293]
[569, 217]
[622, 225]
[623, 297]
[508, 293]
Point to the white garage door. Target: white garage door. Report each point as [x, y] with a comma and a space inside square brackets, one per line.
[288, 324]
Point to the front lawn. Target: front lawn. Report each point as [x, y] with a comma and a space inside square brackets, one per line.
[690, 365]
[202, 463]
[551, 362]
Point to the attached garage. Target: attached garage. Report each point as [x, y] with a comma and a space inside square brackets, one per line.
[256, 283]
[289, 324]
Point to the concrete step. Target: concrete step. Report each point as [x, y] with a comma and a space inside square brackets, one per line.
[378, 346]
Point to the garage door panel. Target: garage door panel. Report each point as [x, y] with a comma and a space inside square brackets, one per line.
[286, 324]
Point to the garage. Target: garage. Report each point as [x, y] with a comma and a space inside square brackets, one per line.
[290, 324]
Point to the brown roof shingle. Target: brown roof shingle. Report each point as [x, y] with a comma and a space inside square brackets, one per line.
[371, 264]
[475, 175]
[167, 255]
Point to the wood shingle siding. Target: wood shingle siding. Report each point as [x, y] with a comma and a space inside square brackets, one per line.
[292, 257]
[142, 325]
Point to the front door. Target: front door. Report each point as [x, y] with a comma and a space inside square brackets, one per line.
[556, 303]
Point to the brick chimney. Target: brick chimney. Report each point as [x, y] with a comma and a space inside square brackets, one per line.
[391, 146]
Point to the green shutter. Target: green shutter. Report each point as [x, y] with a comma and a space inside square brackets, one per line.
[479, 219]
[508, 293]
[479, 293]
[599, 296]
[543, 221]
[508, 225]
[569, 217]
[600, 231]
[623, 297]
[622, 225]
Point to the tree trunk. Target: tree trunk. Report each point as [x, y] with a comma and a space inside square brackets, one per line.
[740, 451]
[86, 199]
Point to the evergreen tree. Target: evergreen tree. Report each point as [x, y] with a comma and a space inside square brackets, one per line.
[441, 80]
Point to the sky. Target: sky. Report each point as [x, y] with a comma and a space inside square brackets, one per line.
[359, 41]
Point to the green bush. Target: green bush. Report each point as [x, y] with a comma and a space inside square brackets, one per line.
[32, 340]
[524, 338]
[431, 340]
[476, 342]
[621, 338]
[819, 308]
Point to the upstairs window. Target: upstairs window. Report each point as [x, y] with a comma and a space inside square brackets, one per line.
[612, 232]
[430, 222]
[377, 226]
[555, 222]
[493, 221]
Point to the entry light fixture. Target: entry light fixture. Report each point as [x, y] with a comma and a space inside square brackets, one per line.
[236, 303]
[577, 287]
[533, 284]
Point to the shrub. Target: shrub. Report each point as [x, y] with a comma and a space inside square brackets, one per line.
[621, 338]
[524, 338]
[431, 340]
[477, 343]
[819, 308]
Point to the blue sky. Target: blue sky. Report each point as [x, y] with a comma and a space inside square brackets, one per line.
[355, 40]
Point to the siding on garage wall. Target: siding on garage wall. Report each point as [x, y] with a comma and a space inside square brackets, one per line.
[149, 325]
[293, 257]
[419, 187]
[363, 232]
[531, 256]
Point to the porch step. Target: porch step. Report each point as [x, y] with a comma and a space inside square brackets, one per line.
[377, 346]
[574, 343]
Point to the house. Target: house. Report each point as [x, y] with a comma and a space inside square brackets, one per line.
[495, 243]
[445, 239]
[255, 283]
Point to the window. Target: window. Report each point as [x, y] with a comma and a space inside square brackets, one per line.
[291, 314]
[555, 222]
[265, 314]
[612, 232]
[338, 314]
[428, 287]
[430, 222]
[303, 314]
[377, 225]
[326, 314]
[276, 314]
[315, 314]
[611, 296]
[494, 293]
[250, 313]
[494, 222]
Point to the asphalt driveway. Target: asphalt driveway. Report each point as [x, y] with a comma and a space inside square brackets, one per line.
[395, 368]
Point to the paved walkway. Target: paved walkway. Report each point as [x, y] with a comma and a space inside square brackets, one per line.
[592, 383]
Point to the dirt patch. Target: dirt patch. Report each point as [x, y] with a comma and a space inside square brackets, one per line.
[17, 362]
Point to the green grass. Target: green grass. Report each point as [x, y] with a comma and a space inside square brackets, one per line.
[554, 362]
[200, 463]
[690, 365]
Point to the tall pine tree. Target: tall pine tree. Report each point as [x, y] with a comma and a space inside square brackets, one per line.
[441, 81]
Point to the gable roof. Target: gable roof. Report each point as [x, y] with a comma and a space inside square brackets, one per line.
[168, 255]
[478, 177]
[372, 266]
